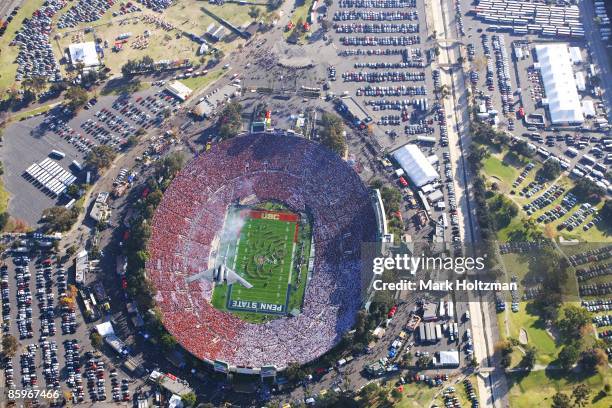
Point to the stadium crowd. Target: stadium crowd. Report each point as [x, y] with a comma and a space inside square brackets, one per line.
[306, 177]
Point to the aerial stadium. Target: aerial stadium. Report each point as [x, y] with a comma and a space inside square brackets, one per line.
[255, 252]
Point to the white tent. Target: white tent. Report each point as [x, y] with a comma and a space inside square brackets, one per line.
[449, 358]
[576, 55]
[559, 83]
[84, 53]
[580, 81]
[588, 109]
[179, 90]
[105, 329]
[415, 164]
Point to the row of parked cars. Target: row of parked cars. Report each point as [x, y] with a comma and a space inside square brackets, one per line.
[597, 305]
[74, 379]
[593, 271]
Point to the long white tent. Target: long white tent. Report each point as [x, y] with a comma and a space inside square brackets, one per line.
[415, 164]
[559, 83]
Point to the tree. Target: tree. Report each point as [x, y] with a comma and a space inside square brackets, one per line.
[606, 213]
[71, 250]
[332, 133]
[369, 391]
[529, 359]
[100, 157]
[572, 320]
[170, 166]
[77, 97]
[274, 4]
[561, 400]
[168, 342]
[295, 372]
[550, 170]
[396, 394]
[254, 12]
[9, 345]
[593, 358]
[407, 359]
[391, 198]
[230, 120]
[504, 348]
[523, 148]
[59, 219]
[73, 190]
[581, 395]
[4, 219]
[96, 340]
[568, 356]
[189, 399]
[423, 362]
[588, 189]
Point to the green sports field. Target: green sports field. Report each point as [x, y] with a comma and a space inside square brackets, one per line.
[270, 253]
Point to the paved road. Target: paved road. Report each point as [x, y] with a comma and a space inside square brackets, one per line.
[492, 386]
[598, 50]
[7, 6]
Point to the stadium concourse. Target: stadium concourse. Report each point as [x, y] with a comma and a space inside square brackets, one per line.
[306, 177]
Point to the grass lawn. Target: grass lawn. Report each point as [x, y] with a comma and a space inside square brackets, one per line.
[417, 395]
[162, 44]
[299, 12]
[25, 114]
[536, 333]
[504, 175]
[9, 68]
[504, 234]
[497, 169]
[118, 86]
[4, 197]
[460, 393]
[203, 81]
[264, 257]
[538, 387]
[185, 15]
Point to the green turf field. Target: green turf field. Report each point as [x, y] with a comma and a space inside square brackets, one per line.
[272, 255]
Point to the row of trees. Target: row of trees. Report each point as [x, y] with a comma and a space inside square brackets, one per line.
[332, 133]
[134, 66]
[140, 287]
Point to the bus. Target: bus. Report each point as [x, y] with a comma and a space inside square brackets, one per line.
[77, 165]
[57, 154]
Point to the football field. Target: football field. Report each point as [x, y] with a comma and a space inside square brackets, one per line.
[264, 256]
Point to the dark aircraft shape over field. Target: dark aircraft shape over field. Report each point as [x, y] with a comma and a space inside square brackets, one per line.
[220, 274]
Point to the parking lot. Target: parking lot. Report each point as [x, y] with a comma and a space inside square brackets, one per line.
[505, 78]
[385, 62]
[53, 336]
[109, 120]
